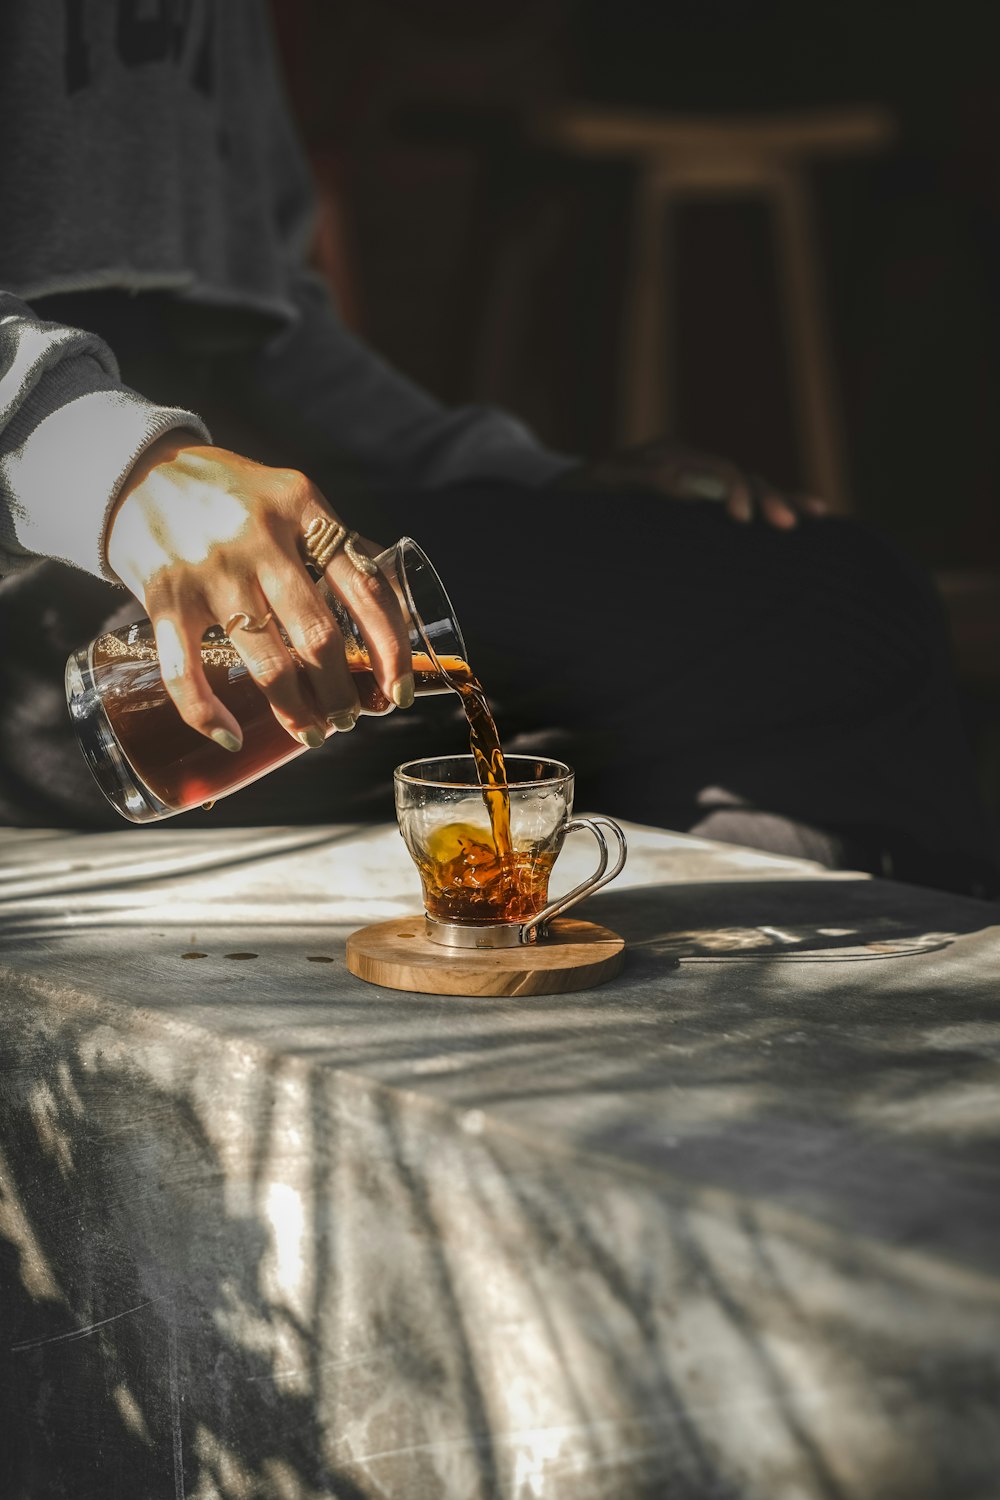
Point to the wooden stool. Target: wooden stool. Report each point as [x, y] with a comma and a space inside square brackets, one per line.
[678, 157]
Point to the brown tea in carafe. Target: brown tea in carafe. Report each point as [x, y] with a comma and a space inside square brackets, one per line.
[184, 769]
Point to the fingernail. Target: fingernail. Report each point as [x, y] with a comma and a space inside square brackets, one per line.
[402, 691]
[311, 738]
[344, 720]
[227, 740]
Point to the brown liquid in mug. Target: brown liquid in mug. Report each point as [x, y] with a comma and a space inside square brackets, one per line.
[465, 880]
[472, 874]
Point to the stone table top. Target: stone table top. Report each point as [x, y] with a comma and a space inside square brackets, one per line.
[729, 1223]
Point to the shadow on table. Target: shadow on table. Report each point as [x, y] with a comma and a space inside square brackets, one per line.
[790, 918]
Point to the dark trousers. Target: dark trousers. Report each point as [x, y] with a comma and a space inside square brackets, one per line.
[788, 690]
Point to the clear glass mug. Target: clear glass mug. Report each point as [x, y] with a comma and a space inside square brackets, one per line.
[151, 765]
[475, 897]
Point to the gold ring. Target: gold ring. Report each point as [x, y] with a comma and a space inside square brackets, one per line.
[323, 537]
[242, 621]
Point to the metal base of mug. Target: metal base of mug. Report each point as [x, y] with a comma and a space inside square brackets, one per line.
[480, 935]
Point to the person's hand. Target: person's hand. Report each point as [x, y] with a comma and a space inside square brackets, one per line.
[685, 474]
[201, 535]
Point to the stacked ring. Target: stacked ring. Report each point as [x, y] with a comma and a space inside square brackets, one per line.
[324, 536]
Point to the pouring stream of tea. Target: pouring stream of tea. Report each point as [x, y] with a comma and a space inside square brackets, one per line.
[484, 742]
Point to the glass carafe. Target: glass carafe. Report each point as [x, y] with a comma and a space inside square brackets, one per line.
[150, 764]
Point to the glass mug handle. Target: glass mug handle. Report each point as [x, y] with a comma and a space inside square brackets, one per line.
[534, 927]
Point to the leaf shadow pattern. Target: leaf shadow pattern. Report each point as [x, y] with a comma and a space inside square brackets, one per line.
[141, 1335]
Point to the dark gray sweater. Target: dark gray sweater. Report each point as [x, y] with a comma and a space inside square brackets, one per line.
[149, 147]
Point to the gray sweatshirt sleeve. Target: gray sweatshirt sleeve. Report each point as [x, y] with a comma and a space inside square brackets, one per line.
[70, 433]
[391, 430]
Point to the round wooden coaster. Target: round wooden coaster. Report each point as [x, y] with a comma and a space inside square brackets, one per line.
[399, 956]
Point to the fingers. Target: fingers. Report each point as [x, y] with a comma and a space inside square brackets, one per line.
[715, 479]
[776, 509]
[298, 660]
[178, 644]
[220, 539]
[700, 476]
[315, 637]
[709, 482]
[785, 511]
[291, 643]
[739, 502]
[371, 603]
[280, 679]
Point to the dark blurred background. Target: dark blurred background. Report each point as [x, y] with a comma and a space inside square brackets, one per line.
[489, 264]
